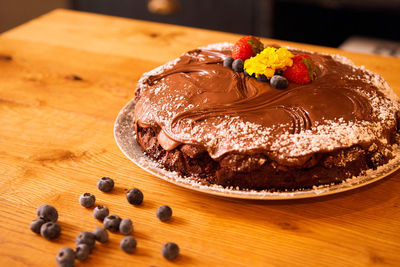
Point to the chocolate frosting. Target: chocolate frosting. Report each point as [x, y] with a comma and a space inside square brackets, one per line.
[196, 100]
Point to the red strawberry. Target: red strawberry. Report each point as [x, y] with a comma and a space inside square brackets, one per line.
[302, 71]
[247, 47]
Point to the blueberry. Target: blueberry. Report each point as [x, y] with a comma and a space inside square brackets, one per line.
[164, 213]
[237, 65]
[170, 251]
[126, 227]
[100, 212]
[105, 184]
[50, 230]
[87, 238]
[134, 196]
[228, 62]
[36, 225]
[82, 252]
[47, 213]
[65, 257]
[111, 222]
[101, 234]
[279, 82]
[262, 78]
[128, 244]
[87, 200]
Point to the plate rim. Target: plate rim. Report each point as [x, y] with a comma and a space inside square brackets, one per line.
[217, 190]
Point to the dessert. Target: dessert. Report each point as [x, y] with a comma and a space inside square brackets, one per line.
[322, 121]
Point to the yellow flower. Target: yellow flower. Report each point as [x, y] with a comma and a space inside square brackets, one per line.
[268, 61]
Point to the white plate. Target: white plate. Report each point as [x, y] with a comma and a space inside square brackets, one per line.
[126, 140]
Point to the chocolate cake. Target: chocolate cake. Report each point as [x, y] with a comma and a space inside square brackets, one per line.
[206, 121]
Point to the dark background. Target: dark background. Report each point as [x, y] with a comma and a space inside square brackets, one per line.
[321, 22]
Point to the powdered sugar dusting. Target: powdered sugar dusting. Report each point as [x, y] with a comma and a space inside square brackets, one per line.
[369, 76]
[232, 133]
[126, 139]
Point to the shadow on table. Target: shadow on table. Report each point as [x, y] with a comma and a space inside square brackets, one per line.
[373, 199]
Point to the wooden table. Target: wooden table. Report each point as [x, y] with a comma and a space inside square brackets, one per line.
[63, 79]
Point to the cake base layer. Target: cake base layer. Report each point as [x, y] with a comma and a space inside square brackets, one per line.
[258, 171]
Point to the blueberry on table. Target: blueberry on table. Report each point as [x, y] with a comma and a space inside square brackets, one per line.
[134, 196]
[237, 65]
[111, 223]
[50, 230]
[47, 213]
[105, 184]
[100, 212]
[87, 238]
[36, 225]
[228, 62]
[170, 251]
[279, 82]
[126, 227]
[82, 252]
[65, 257]
[128, 244]
[101, 234]
[87, 200]
[164, 213]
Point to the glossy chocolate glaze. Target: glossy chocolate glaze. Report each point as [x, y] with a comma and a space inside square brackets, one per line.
[198, 101]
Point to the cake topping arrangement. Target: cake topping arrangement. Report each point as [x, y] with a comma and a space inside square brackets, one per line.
[268, 62]
[250, 56]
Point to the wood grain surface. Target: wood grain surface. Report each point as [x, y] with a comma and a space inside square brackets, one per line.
[63, 79]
